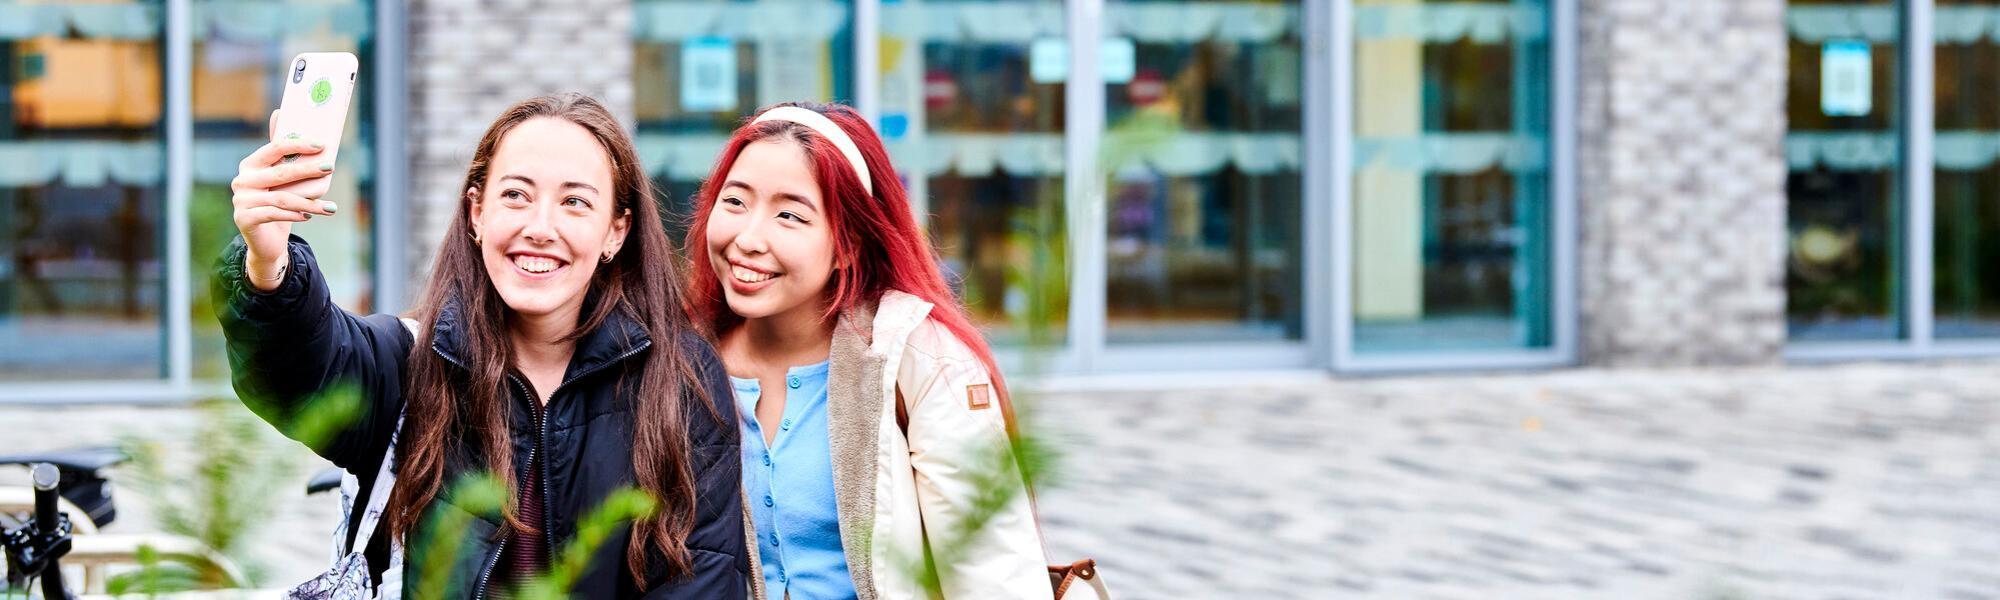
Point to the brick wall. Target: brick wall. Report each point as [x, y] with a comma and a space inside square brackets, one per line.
[1681, 176]
[470, 59]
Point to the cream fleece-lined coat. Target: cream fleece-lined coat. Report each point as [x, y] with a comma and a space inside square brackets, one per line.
[891, 488]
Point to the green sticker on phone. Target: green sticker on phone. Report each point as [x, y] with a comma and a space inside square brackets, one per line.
[321, 92]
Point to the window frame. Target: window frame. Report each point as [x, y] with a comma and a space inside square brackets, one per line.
[1562, 213]
[1919, 136]
[179, 383]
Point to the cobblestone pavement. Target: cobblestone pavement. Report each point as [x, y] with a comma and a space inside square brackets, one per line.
[1857, 481]
[1852, 481]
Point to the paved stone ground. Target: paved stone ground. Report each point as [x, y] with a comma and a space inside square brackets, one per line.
[1852, 481]
[1858, 481]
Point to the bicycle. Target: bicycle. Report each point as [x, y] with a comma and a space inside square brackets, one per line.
[80, 501]
[35, 547]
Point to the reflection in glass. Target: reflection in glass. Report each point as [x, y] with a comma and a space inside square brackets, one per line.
[80, 193]
[1968, 175]
[1204, 235]
[1844, 205]
[1451, 192]
[700, 67]
[237, 83]
[975, 125]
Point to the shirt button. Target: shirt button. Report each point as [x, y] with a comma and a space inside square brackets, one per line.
[767, 460]
[767, 500]
[793, 381]
[774, 539]
[785, 425]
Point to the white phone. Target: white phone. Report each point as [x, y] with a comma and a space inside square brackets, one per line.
[318, 88]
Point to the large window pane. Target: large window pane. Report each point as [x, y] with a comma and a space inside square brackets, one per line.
[977, 131]
[1451, 187]
[1202, 152]
[1967, 174]
[241, 51]
[81, 192]
[700, 67]
[1844, 200]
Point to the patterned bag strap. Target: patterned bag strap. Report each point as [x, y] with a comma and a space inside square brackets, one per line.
[385, 479]
[378, 494]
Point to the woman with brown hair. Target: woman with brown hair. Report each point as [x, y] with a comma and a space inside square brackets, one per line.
[549, 348]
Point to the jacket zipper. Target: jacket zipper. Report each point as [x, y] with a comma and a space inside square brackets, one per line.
[541, 437]
[486, 573]
[498, 549]
[541, 433]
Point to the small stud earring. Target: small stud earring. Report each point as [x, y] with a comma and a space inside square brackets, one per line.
[475, 237]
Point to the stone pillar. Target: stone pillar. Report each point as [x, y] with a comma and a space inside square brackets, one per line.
[469, 60]
[1681, 181]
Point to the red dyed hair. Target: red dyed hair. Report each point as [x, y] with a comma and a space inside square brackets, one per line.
[876, 240]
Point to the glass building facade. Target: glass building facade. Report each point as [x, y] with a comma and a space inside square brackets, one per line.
[1139, 185]
[1148, 184]
[1892, 151]
[121, 125]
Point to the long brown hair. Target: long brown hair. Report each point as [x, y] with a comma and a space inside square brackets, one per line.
[640, 282]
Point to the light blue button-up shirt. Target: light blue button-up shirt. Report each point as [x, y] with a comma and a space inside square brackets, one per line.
[790, 488]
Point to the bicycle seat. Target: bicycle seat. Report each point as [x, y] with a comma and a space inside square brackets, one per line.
[326, 480]
[82, 481]
[71, 459]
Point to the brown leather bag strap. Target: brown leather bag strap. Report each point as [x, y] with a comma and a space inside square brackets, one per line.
[1063, 576]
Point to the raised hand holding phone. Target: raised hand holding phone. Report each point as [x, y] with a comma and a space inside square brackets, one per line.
[283, 181]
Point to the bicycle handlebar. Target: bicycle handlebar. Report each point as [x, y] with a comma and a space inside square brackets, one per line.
[48, 524]
[46, 477]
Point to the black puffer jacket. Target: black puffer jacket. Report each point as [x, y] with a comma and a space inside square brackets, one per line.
[290, 344]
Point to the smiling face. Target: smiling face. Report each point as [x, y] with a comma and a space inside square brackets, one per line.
[768, 241]
[546, 216]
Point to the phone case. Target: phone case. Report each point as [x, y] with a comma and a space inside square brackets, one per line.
[315, 108]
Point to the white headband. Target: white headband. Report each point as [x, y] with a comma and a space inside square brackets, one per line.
[826, 129]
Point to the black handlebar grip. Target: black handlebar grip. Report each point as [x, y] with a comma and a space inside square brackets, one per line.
[46, 477]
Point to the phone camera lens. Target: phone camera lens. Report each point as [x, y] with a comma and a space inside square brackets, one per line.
[299, 66]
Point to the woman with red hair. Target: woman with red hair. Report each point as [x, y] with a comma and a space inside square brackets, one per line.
[874, 416]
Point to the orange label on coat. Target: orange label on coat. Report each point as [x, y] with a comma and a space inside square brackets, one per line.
[978, 396]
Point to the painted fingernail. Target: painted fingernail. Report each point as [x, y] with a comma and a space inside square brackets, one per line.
[328, 206]
[309, 216]
[325, 167]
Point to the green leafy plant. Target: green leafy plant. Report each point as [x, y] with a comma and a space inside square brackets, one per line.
[481, 494]
[621, 507]
[154, 576]
[484, 495]
[220, 493]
